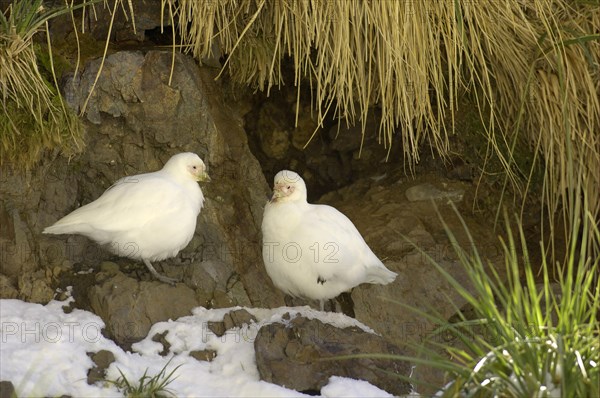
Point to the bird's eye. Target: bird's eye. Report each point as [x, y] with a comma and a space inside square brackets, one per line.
[194, 167]
[289, 187]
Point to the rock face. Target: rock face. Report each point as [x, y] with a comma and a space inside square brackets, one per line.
[136, 116]
[328, 157]
[404, 234]
[147, 18]
[302, 355]
[135, 120]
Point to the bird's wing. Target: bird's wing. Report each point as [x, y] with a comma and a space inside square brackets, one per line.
[129, 203]
[335, 242]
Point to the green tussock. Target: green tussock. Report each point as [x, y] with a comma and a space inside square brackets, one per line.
[147, 386]
[528, 338]
[534, 333]
[34, 117]
[24, 139]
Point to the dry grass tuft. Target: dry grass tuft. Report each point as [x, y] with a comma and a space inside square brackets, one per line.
[543, 90]
[354, 54]
[34, 117]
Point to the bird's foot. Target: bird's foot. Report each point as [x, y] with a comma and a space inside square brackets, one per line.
[162, 278]
[166, 279]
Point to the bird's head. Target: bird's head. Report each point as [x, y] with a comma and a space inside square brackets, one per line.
[188, 164]
[288, 187]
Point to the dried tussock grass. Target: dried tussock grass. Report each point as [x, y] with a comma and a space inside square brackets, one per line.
[532, 67]
[536, 71]
[352, 52]
[34, 116]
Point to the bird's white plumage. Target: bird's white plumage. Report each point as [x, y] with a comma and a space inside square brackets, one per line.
[314, 251]
[147, 217]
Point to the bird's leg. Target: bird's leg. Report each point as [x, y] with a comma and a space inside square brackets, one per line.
[158, 276]
[322, 305]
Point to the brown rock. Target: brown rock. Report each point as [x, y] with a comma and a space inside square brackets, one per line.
[7, 290]
[218, 328]
[162, 339]
[204, 355]
[35, 288]
[233, 319]
[305, 353]
[102, 360]
[274, 131]
[237, 318]
[130, 307]
[7, 389]
[18, 256]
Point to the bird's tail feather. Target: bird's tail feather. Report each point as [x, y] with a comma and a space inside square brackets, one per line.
[72, 224]
[79, 221]
[62, 229]
[381, 275]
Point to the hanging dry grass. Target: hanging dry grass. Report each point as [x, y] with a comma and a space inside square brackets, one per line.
[532, 67]
[537, 65]
[354, 53]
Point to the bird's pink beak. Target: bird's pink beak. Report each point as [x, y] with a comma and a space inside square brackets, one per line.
[277, 193]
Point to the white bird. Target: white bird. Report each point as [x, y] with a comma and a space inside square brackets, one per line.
[148, 217]
[314, 251]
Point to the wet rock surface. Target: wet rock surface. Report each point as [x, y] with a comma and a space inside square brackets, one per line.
[302, 355]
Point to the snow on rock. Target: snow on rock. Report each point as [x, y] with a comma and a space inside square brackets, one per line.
[44, 349]
[343, 387]
[45, 352]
